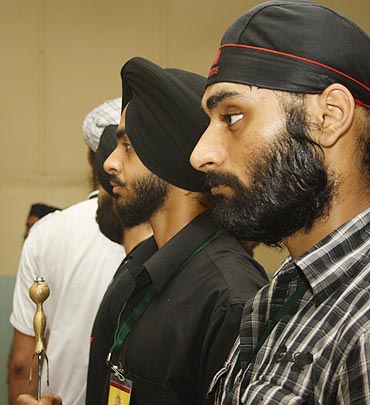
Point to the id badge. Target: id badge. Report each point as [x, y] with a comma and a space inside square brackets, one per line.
[119, 391]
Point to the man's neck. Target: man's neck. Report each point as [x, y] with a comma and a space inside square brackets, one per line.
[133, 236]
[179, 209]
[345, 166]
[343, 209]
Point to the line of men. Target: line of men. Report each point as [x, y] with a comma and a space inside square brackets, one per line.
[286, 152]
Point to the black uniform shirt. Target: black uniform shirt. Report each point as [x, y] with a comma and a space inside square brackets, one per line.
[185, 335]
[105, 323]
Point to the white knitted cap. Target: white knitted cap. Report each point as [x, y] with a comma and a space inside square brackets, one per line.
[108, 113]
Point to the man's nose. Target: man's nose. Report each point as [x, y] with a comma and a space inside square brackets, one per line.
[208, 153]
[112, 164]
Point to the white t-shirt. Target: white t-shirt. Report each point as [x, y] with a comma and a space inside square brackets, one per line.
[77, 262]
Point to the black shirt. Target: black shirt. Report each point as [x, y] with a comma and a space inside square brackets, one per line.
[186, 333]
[118, 291]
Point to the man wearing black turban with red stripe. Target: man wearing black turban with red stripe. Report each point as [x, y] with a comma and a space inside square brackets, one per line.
[175, 304]
[287, 155]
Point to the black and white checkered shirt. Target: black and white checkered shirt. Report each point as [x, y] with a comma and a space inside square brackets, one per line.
[319, 352]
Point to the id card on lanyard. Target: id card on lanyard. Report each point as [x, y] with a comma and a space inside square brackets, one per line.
[119, 391]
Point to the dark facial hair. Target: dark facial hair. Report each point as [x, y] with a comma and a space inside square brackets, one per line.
[289, 190]
[149, 194]
[110, 223]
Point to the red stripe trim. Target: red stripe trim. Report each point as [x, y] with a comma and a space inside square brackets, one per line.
[120, 386]
[360, 103]
[299, 58]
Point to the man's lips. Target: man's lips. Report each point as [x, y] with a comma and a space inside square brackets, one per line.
[116, 186]
[218, 188]
[115, 189]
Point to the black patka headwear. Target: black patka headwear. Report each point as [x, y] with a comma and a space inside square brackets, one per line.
[296, 46]
[107, 144]
[164, 120]
[41, 209]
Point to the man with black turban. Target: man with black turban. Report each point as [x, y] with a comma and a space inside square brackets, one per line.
[110, 223]
[79, 256]
[287, 154]
[174, 306]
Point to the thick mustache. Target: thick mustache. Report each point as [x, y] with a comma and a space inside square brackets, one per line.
[115, 181]
[230, 180]
[215, 179]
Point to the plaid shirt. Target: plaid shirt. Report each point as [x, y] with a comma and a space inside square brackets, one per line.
[319, 352]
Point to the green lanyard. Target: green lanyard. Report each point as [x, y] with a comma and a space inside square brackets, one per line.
[122, 331]
[298, 294]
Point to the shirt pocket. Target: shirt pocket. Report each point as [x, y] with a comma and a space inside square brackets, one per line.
[147, 392]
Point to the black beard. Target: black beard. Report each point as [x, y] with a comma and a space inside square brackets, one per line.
[110, 224]
[149, 194]
[290, 189]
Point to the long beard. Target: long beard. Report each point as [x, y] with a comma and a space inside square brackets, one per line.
[290, 189]
[148, 195]
[110, 224]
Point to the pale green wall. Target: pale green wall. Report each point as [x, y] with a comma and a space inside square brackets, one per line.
[6, 294]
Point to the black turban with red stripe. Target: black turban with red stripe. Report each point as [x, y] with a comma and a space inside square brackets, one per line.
[295, 46]
[164, 120]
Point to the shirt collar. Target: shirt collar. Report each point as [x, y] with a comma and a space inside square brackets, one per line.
[139, 255]
[336, 258]
[93, 194]
[162, 265]
[144, 250]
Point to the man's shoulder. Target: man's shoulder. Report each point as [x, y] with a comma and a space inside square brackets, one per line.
[71, 227]
[242, 275]
[82, 210]
[228, 251]
[85, 206]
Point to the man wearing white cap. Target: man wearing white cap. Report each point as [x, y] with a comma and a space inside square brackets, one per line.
[77, 261]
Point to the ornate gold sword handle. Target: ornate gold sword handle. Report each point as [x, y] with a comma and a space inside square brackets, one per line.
[39, 292]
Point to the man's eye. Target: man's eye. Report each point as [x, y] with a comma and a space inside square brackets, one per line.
[232, 119]
[127, 145]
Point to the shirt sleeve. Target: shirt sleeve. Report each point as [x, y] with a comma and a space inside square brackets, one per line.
[23, 310]
[354, 375]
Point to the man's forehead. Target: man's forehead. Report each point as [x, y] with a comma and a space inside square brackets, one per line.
[220, 92]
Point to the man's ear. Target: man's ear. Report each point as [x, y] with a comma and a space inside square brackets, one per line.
[337, 110]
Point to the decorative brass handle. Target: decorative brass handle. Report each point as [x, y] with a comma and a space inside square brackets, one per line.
[39, 292]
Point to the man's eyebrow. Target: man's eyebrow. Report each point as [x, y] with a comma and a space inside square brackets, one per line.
[222, 95]
[121, 132]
